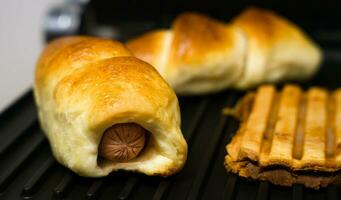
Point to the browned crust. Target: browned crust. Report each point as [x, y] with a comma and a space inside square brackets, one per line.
[312, 117]
[195, 36]
[147, 46]
[281, 176]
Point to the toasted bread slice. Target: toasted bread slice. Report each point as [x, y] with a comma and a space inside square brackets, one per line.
[288, 136]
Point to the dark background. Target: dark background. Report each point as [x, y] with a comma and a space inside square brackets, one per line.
[128, 18]
[313, 13]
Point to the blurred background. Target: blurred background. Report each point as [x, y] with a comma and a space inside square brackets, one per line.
[21, 39]
[27, 25]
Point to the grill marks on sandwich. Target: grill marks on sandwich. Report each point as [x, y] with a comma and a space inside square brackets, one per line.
[300, 131]
[330, 130]
[256, 124]
[268, 136]
[285, 128]
[314, 129]
[299, 128]
[337, 123]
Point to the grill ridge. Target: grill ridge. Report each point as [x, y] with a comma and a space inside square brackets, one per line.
[31, 185]
[297, 193]
[21, 159]
[10, 142]
[163, 186]
[60, 189]
[128, 188]
[263, 191]
[94, 188]
[332, 193]
[198, 181]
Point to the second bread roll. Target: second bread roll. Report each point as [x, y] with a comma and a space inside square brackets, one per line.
[199, 55]
[277, 49]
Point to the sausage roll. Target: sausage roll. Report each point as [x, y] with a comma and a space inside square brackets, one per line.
[103, 109]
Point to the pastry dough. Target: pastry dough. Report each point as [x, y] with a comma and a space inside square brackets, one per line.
[277, 49]
[201, 55]
[84, 85]
[289, 137]
[198, 55]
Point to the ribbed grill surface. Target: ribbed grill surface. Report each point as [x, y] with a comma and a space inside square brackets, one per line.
[28, 170]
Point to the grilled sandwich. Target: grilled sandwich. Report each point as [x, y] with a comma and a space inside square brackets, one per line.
[288, 137]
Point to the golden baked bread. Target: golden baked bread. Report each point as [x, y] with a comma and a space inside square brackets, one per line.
[288, 137]
[199, 54]
[103, 109]
[277, 49]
